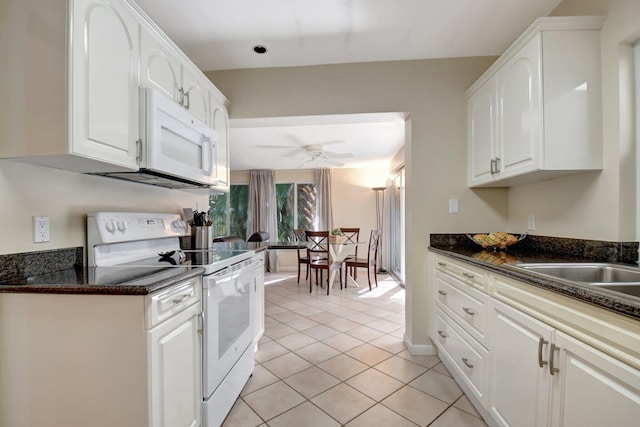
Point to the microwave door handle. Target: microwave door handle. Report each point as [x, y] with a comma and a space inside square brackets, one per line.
[209, 170]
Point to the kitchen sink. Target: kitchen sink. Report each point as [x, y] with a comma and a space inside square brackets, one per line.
[615, 277]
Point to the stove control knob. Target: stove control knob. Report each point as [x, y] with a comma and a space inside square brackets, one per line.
[122, 226]
[111, 226]
[178, 226]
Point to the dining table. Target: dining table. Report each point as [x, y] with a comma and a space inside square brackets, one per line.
[338, 252]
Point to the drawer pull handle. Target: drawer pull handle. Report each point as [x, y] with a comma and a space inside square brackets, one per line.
[442, 264]
[443, 293]
[442, 334]
[466, 362]
[468, 311]
[468, 275]
[552, 369]
[181, 298]
[541, 343]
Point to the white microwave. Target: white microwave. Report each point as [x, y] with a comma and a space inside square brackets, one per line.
[178, 150]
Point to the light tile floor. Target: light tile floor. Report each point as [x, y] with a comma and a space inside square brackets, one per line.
[340, 360]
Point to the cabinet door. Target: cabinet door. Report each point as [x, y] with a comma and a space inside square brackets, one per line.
[520, 111]
[520, 387]
[197, 96]
[176, 391]
[481, 116]
[591, 388]
[104, 82]
[221, 126]
[160, 68]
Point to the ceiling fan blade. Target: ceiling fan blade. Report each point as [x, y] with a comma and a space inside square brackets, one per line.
[338, 155]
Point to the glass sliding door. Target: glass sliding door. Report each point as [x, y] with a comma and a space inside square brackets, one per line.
[396, 226]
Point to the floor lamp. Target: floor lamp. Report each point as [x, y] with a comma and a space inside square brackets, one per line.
[380, 223]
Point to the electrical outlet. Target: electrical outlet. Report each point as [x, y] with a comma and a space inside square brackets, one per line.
[453, 206]
[40, 229]
[532, 221]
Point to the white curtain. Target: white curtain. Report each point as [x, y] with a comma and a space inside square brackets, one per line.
[324, 213]
[263, 210]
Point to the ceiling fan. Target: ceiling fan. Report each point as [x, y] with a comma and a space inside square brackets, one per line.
[314, 153]
[317, 154]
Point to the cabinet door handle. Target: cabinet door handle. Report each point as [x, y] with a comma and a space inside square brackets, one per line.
[552, 369]
[187, 97]
[442, 334]
[181, 298]
[492, 166]
[443, 293]
[442, 264]
[497, 164]
[139, 150]
[466, 362]
[541, 343]
[468, 311]
[181, 99]
[468, 275]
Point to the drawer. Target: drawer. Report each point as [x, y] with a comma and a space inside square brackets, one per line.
[464, 354]
[161, 305]
[471, 276]
[465, 304]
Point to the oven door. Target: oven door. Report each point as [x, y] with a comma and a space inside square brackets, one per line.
[228, 298]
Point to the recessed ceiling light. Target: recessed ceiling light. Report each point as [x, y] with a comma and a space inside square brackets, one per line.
[260, 49]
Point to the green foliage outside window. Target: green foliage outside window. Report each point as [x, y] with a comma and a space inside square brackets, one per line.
[238, 210]
[218, 213]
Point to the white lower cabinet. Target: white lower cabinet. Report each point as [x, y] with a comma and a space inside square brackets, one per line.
[259, 301]
[590, 388]
[464, 355]
[174, 355]
[530, 372]
[520, 384]
[102, 360]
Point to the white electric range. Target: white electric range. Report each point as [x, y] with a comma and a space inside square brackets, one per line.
[152, 241]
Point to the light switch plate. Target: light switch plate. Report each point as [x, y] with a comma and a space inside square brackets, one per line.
[532, 221]
[453, 206]
[41, 229]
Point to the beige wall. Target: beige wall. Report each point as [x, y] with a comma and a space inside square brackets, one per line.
[66, 198]
[431, 92]
[596, 205]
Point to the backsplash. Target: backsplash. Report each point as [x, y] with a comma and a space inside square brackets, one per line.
[589, 250]
[21, 265]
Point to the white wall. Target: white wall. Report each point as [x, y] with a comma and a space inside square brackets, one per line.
[431, 92]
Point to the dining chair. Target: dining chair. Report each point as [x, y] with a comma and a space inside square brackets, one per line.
[370, 263]
[318, 254]
[353, 236]
[303, 257]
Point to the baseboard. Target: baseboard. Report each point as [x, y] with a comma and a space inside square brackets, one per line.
[419, 349]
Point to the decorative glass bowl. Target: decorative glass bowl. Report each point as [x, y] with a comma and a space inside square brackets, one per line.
[500, 240]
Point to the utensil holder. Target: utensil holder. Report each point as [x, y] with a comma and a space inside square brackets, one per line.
[202, 237]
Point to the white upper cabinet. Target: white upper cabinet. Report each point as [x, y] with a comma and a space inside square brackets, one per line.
[97, 54]
[536, 113]
[220, 124]
[160, 67]
[163, 69]
[104, 83]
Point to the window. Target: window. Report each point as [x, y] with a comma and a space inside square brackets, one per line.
[229, 211]
[296, 208]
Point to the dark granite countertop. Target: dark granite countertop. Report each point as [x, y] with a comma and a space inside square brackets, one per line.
[101, 280]
[503, 263]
